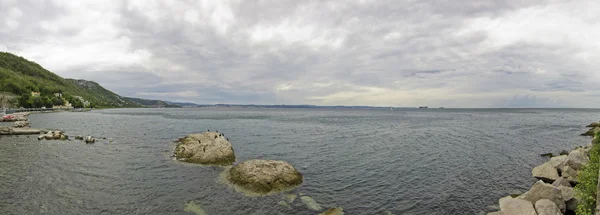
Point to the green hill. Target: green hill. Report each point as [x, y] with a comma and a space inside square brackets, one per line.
[152, 103]
[21, 77]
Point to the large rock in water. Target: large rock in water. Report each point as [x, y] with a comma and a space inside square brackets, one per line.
[514, 206]
[265, 176]
[546, 207]
[545, 172]
[206, 148]
[541, 190]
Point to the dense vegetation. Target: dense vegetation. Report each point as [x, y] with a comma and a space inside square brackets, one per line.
[21, 77]
[586, 190]
[152, 103]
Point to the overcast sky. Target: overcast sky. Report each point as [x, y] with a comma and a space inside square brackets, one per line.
[484, 53]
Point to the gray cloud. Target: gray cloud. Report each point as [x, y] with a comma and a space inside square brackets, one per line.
[476, 54]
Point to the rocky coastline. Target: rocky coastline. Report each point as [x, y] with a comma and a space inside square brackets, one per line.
[553, 193]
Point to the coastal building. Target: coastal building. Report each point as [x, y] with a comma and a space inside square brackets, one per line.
[35, 94]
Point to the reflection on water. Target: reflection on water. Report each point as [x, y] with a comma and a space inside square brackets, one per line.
[365, 161]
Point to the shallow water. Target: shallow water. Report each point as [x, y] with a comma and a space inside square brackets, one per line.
[365, 161]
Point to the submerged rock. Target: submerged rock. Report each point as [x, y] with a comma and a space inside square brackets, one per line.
[284, 204]
[192, 207]
[546, 207]
[205, 148]
[547, 155]
[333, 211]
[311, 203]
[289, 198]
[541, 190]
[545, 172]
[264, 176]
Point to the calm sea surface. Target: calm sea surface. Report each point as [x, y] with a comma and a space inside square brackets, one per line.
[413, 161]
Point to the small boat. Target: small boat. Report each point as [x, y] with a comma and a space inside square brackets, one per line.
[422, 107]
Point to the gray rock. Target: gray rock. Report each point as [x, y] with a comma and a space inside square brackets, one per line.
[567, 192]
[569, 173]
[572, 204]
[515, 206]
[577, 159]
[265, 177]
[205, 148]
[546, 207]
[558, 160]
[541, 190]
[561, 182]
[545, 172]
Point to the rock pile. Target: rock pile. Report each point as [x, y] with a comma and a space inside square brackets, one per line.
[553, 193]
[53, 135]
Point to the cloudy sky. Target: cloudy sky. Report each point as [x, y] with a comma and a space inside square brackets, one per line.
[485, 53]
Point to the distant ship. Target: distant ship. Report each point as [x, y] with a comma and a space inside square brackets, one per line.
[422, 106]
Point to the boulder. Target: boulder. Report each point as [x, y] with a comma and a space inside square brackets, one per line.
[541, 190]
[566, 192]
[333, 211]
[89, 139]
[546, 207]
[561, 182]
[577, 159]
[514, 206]
[21, 124]
[265, 176]
[558, 160]
[206, 148]
[569, 173]
[545, 172]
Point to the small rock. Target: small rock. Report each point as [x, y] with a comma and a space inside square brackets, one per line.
[284, 204]
[546, 155]
[564, 152]
[79, 137]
